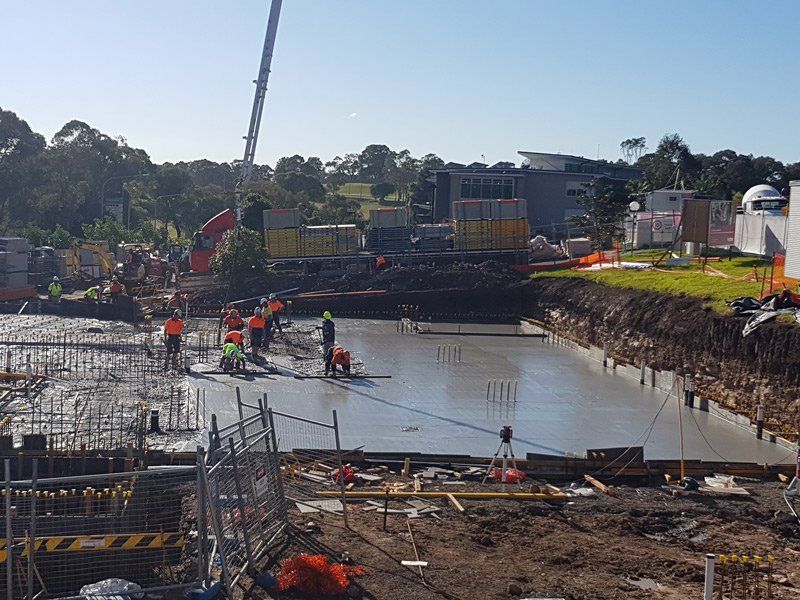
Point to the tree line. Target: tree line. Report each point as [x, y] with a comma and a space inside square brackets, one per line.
[52, 191]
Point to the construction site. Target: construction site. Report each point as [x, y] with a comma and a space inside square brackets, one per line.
[485, 448]
[480, 391]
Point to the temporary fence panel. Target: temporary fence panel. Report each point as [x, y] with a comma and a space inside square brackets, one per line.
[245, 501]
[62, 534]
[762, 235]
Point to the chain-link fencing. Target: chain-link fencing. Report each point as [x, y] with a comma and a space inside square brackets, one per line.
[65, 533]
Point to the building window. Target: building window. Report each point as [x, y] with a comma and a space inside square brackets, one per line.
[673, 198]
[486, 188]
[572, 192]
[572, 168]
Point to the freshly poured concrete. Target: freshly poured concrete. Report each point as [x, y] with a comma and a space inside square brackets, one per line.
[565, 401]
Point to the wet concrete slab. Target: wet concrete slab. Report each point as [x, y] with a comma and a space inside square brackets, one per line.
[565, 401]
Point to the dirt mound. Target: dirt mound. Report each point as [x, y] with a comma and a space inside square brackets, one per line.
[490, 274]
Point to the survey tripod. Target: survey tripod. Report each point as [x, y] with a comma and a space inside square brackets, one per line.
[506, 433]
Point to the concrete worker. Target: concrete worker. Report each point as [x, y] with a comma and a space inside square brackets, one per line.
[234, 336]
[276, 306]
[116, 288]
[232, 353]
[337, 355]
[233, 321]
[380, 264]
[54, 290]
[93, 294]
[173, 329]
[255, 326]
[269, 321]
[328, 332]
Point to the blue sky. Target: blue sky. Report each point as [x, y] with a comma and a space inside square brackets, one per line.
[458, 78]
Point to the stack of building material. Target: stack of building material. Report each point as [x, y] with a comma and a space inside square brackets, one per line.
[433, 237]
[329, 240]
[282, 232]
[389, 230]
[13, 262]
[491, 224]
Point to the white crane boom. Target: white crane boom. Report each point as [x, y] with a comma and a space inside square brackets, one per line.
[261, 92]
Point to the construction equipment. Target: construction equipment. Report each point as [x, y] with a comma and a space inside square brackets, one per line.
[142, 263]
[90, 260]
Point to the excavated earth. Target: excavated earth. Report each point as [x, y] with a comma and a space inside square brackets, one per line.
[679, 333]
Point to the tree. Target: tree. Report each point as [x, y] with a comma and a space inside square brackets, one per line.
[109, 230]
[342, 170]
[606, 203]
[239, 255]
[379, 191]
[297, 183]
[336, 210]
[672, 163]
[372, 163]
[401, 171]
[253, 206]
[632, 149]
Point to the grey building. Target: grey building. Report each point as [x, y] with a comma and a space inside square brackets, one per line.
[551, 183]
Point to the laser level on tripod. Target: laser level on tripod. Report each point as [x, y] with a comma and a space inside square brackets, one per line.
[506, 433]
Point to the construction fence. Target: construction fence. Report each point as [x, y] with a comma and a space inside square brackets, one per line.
[62, 534]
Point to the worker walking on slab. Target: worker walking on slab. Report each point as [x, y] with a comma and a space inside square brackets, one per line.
[276, 306]
[328, 329]
[337, 355]
[255, 326]
[54, 290]
[173, 329]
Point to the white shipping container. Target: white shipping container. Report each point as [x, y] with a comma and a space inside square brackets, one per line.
[433, 232]
[381, 218]
[14, 261]
[516, 208]
[282, 218]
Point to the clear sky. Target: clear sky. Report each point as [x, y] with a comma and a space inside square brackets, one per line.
[459, 78]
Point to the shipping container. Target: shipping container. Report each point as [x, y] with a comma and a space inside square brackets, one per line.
[389, 239]
[282, 218]
[382, 218]
[509, 209]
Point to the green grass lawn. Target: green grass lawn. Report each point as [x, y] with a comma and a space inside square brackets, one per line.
[361, 191]
[680, 280]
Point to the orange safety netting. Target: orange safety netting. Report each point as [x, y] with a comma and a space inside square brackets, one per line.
[778, 279]
[315, 575]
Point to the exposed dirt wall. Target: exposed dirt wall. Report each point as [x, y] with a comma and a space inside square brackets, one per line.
[679, 333]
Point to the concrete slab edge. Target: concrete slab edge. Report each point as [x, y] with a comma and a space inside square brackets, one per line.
[661, 380]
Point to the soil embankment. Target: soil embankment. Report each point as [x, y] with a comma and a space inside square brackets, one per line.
[678, 333]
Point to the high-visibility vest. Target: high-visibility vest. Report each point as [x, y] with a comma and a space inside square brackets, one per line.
[234, 337]
[91, 293]
[275, 305]
[256, 322]
[54, 289]
[173, 326]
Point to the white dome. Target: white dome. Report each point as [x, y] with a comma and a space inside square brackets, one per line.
[760, 191]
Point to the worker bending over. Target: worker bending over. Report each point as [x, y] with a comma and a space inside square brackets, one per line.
[337, 355]
[54, 290]
[276, 306]
[255, 326]
[328, 332]
[234, 337]
[231, 355]
[173, 329]
[93, 294]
